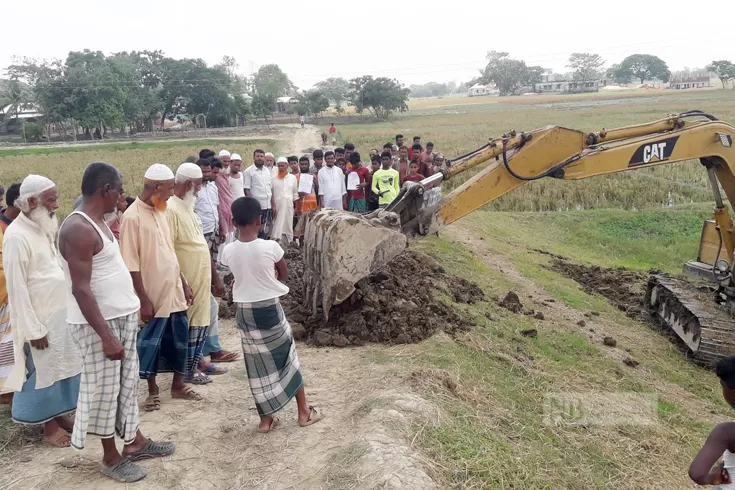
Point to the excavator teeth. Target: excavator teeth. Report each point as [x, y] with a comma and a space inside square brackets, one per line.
[707, 328]
[341, 248]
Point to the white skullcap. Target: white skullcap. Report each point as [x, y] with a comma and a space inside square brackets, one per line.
[34, 185]
[189, 170]
[282, 160]
[159, 172]
[224, 153]
[235, 156]
[269, 154]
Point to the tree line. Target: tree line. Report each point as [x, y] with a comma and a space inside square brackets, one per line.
[509, 75]
[133, 90]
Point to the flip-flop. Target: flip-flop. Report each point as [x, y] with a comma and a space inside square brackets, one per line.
[214, 370]
[125, 471]
[229, 357]
[152, 450]
[274, 423]
[152, 403]
[314, 417]
[187, 394]
[60, 439]
[199, 379]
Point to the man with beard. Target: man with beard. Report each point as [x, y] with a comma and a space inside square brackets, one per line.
[258, 183]
[270, 163]
[235, 175]
[146, 246]
[43, 346]
[307, 202]
[332, 189]
[225, 158]
[207, 208]
[102, 312]
[196, 262]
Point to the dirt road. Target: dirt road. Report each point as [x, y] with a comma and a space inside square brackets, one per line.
[362, 443]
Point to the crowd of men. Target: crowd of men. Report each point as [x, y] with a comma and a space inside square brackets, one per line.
[126, 288]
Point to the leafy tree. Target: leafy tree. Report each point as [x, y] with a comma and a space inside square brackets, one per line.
[270, 82]
[261, 106]
[585, 66]
[242, 106]
[642, 67]
[725, 70]
[33, 132]
[336, 90]
[381, 96]
[317, 102]
[534, 74]
[506, 73]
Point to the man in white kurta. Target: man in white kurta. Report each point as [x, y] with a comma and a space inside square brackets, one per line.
[47, 361]
[285, 193]
[332, 188]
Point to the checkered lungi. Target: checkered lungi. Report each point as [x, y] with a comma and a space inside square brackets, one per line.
[270, 354]
[266, 223]
[197, 338]
[213, 244]
[108, 393]
[163, 345]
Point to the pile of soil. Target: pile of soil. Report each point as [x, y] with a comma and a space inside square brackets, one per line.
[396, 305]
[623, 288]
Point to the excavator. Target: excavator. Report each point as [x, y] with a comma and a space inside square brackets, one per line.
[341, 248]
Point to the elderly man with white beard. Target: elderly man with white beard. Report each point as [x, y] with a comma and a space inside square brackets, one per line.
[42, 341]
[196, 263]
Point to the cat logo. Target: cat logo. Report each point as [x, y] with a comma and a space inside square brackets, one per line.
[658, 151]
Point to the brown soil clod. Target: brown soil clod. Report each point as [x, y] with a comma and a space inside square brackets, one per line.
[539, 316]
[582, 323]
[610, 342]
[629, 361]
[530, 332]
[512, 302]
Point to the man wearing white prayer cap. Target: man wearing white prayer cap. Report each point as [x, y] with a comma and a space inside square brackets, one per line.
[47, 361]
[224, 157]
[102, 315]
[148, 251]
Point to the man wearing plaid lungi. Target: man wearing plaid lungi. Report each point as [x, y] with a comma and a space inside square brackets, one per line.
[103, 315]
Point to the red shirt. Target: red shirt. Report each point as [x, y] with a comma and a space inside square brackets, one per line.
[363, 173]
[411, 178]
[332, 129]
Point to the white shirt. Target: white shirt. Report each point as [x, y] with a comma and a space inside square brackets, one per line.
[37, 296]
[207, 207]
[236, 186]
[253, 264]
[332, 186]
[258, 182]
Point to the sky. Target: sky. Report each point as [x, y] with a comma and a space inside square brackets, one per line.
[413, 41]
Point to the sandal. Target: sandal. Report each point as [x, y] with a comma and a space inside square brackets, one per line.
[187, 393]
[151, 450]
[225, 357]
[314, 417]
[199, 379]
[214, 370]
[60, 439]
[274, 423]
[125, 471]
[152, 403]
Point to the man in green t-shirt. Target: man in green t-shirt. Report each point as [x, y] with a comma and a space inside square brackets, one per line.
[386, 181]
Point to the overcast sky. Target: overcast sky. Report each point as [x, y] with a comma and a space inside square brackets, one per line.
[413, 41]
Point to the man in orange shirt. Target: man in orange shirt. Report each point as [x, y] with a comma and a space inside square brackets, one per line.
[307, 203]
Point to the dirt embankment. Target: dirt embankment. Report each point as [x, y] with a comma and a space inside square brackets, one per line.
[623, 288]
[396, 305]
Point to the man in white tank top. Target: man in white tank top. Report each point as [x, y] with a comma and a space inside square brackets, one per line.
[102, 312]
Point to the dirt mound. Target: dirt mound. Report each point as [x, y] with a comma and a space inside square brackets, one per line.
[397, 304]
[623, 288]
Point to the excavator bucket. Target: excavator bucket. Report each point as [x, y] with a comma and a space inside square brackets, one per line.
[341, 248]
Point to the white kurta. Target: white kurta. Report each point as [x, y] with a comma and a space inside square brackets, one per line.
[285, 192]
[332, 186]
[37, 295]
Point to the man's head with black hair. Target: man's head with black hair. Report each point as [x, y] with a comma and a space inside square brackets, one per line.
[191, 159]
[246, 211]
[725, 370]
[349, 147]
[387, 146]
[355, 158]
[329, 158]
[12, 194]
[375, 162]
[206, 153]
[399, 139]
[317, 154]
[292, 158]
[386, 159]
[206, 165]
[429, 146]
[101, 181]
[416, 152]
[416, 139]
[337, 151]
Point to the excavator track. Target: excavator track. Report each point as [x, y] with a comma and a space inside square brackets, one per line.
[707, 328]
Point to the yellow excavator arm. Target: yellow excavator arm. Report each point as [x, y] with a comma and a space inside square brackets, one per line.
[341, 249]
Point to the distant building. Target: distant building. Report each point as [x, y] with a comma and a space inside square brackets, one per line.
[283, 103]
[27, 111]
[478, 90]
[690, 82]
[549, 85]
